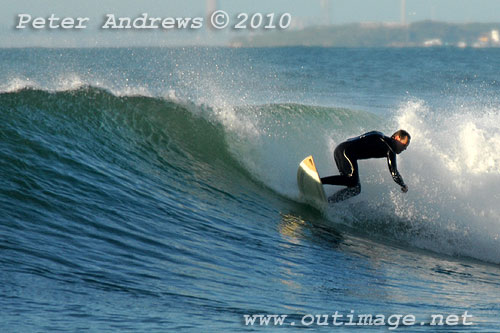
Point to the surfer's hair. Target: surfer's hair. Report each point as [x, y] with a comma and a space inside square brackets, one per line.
[402, 134]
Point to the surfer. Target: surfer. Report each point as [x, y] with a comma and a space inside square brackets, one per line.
[369, 145]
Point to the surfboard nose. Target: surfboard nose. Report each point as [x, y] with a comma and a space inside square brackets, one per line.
[308, 181]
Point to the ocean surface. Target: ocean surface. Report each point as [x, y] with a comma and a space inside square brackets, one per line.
[154, 190]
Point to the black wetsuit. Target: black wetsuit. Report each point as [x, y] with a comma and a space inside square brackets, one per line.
[369, 145]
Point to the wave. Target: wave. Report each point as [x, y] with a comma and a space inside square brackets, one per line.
[90, 143]
[141, 122]
[452, 167]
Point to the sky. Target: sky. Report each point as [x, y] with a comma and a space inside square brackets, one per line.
[303, 13]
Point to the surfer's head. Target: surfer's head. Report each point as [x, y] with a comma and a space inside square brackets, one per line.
[402, 140]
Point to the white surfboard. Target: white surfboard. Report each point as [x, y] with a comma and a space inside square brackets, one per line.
[310, 185]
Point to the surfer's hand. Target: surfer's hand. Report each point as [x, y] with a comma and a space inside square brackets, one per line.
[404, 188]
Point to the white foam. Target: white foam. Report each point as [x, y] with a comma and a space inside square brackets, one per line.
[16, 84]
[453, 169]
[72, 81]
[68, 82]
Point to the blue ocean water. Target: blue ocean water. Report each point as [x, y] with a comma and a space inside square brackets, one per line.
[155, 190]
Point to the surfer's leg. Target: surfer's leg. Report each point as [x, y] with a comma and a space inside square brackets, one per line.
[337, 180]
[349, 176]
[348, 170]
[343, 163]
[345, 193]
[352, 183]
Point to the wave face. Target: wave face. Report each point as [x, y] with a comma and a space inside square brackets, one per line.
[87, 146]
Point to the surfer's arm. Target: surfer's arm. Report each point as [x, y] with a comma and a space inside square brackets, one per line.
[391, 162]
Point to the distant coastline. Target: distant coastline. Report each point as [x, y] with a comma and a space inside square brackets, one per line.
[418, 34]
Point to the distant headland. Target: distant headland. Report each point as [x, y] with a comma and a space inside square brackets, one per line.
[418, 34]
